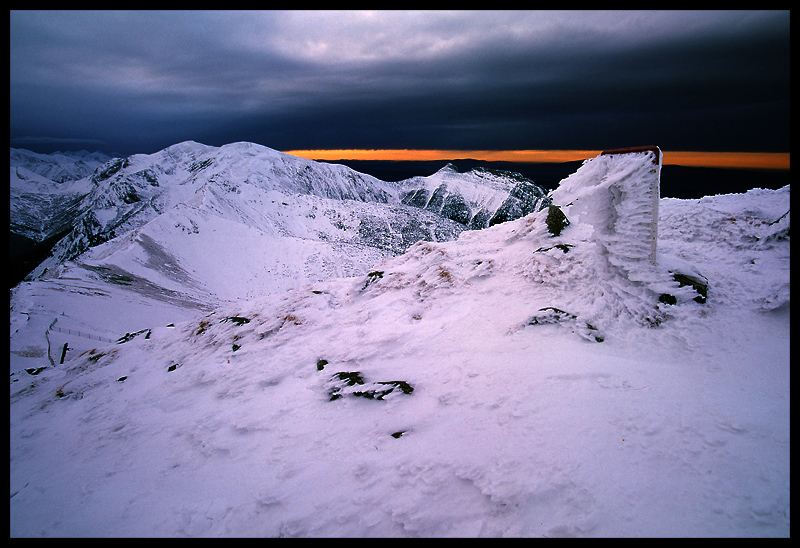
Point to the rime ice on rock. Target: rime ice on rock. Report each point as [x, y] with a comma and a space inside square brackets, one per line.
[617, 193]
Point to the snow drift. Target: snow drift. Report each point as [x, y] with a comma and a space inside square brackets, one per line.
[510, 383]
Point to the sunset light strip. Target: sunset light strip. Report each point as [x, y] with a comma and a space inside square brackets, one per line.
[751, 160]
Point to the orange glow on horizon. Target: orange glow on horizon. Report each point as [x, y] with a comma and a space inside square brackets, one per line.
[751, 160]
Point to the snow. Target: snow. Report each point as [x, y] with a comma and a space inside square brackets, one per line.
[221, 422]
[481, 189]
[617, 195]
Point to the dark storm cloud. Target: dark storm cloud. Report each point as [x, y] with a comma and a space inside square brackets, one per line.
[140, 81]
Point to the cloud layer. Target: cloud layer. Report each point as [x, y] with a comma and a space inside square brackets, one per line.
[141, 80]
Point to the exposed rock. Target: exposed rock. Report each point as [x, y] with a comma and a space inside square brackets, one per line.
[477, 199]
[343, 383]
[556, 220]
[129, 336]
[551, 315]
[341, 380]
[372, 277]
[379, 393]
[524, 198]
[236, 320]
[699, 285]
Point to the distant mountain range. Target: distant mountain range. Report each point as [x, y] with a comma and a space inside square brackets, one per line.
[145, 216]
[678, 182]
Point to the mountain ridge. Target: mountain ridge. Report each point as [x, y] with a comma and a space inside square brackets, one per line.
[126, 193]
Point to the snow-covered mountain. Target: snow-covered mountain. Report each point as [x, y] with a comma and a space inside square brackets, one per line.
[477, 198]
[194, 226]
[58, 167]
[238, 181]
[128, 193]
[541, 377]
[47, 190]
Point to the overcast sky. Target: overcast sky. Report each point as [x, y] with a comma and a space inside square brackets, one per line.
[136, 82]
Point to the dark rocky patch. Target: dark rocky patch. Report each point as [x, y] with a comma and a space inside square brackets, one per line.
[236, 320]
[479, 220]
[701, 286]
[343, 379]
[563, 247]
[129, 336]
[550, 315]
[524, 198]
[372, 391]
[372, 277]
[556, 220]
[698, 284]
[379, 393]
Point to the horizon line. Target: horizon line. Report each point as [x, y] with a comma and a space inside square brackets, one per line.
[746, 160]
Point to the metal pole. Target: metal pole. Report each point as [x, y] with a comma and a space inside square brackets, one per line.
[64, 352]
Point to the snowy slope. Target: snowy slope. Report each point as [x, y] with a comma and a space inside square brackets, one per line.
[458, 389]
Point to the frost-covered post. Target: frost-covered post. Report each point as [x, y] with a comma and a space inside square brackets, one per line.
[617, 194]
[649, 193]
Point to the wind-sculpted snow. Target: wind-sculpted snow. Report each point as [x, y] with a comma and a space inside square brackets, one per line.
[508, 383]
[617, 196]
